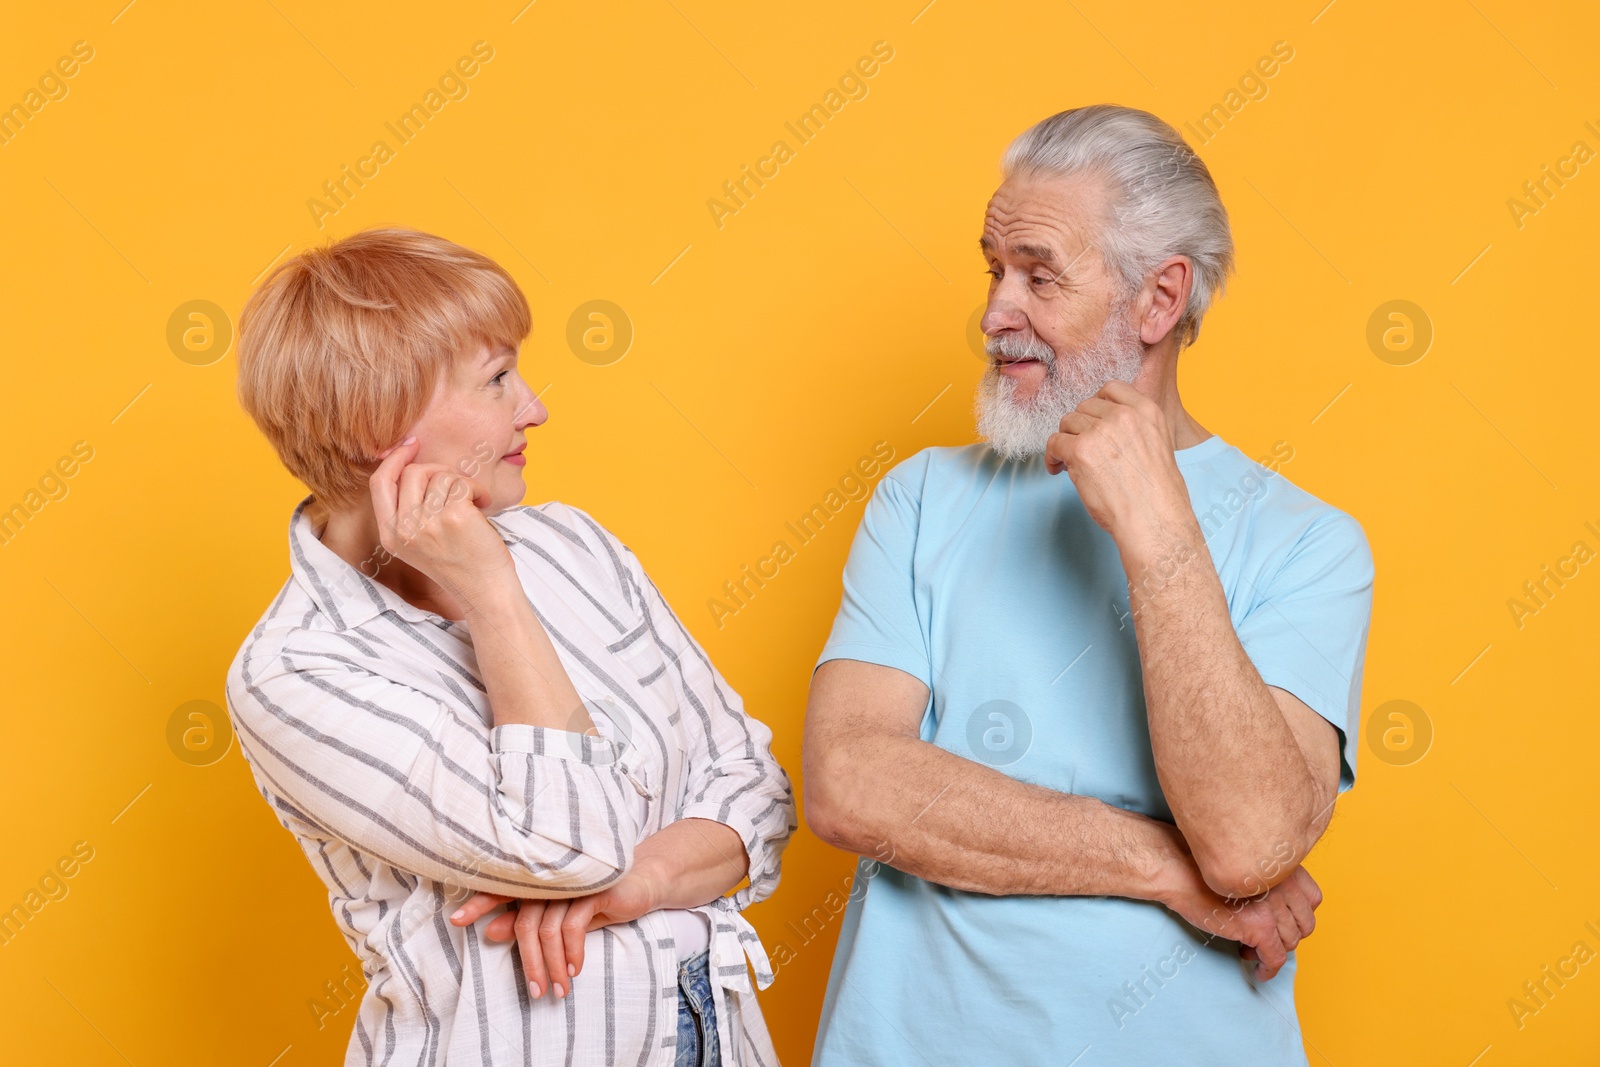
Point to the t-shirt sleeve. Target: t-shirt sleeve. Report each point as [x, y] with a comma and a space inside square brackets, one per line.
[1307, 632]
[877, 620]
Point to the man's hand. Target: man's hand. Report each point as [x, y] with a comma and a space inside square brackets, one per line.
[1267, 927]
[550, 933]
[1118, 450]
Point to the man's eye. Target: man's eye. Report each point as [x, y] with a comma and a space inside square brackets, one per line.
[1042, 280]
[991, 272]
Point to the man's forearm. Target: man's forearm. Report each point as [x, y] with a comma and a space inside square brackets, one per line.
[1239, 785]
[920, 809]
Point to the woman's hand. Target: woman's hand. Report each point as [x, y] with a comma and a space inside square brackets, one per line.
[683, 865]
[550, 933]
[432, 516]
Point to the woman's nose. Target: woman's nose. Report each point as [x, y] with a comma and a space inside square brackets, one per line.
[532, 413]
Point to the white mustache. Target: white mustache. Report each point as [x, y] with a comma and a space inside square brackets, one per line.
[1012, 346]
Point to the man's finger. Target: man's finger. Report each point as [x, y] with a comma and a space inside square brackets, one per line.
[1270, 949]
[1288, 923]
[1303, 911]
[1096, 406]
[1057, 450]
[1120, 391]
[1313, 891]
[1076, 422]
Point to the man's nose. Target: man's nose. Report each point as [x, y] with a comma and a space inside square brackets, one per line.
[1001, 315]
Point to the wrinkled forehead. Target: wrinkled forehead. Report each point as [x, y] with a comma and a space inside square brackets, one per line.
[1052, 220]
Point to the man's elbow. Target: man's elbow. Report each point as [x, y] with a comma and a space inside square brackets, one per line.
[1231, 880]
[829, 810]
[1236, 870]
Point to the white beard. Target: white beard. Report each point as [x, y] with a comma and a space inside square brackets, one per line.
[1016, 429]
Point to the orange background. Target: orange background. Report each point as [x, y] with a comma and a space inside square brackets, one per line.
[769, 354]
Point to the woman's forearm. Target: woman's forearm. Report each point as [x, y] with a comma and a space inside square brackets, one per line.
[691, 862]
[517, 659]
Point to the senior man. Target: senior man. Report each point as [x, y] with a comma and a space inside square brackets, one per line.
[1090, 725]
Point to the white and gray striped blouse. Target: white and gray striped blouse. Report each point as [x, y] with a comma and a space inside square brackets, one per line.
[368, 730]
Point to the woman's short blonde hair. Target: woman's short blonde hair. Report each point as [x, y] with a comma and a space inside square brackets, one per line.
[341, 347]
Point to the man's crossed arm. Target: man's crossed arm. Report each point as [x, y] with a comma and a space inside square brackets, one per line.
[873, 787]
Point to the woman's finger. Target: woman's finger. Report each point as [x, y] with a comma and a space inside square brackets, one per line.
[502, 927]
[385, 495]
[475, 907]
[410, 509]
[550, 943]
[481, 497]
[529, 914]
[465, 485]
[575, 928]
[445, 487]
[427, 490]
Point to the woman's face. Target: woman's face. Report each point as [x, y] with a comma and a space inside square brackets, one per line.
[475, 423]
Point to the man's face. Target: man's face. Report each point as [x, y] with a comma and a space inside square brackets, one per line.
[1057, 324]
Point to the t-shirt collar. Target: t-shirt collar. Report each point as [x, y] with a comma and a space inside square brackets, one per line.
[1201, 452]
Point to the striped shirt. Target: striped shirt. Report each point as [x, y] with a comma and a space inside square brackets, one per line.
[369, 733]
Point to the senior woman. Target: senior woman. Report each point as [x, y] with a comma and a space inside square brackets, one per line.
[456, 702]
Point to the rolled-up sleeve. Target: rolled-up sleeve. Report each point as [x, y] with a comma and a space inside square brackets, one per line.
[733, 777]
[427, 787]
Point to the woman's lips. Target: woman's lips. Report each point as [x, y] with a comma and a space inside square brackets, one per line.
[516, 459]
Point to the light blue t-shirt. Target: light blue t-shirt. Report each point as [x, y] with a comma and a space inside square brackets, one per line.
[988, 580]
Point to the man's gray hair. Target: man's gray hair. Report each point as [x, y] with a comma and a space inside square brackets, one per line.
[1161, 199]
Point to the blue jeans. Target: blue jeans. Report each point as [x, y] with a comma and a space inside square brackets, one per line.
[697, 1017]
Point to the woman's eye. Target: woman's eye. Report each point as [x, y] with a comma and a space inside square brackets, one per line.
[496, 380]
[991, 272]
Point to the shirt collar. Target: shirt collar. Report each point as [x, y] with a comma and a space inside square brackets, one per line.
[344, 593]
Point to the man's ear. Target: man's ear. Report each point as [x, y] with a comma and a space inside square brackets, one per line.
[1167, 289]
